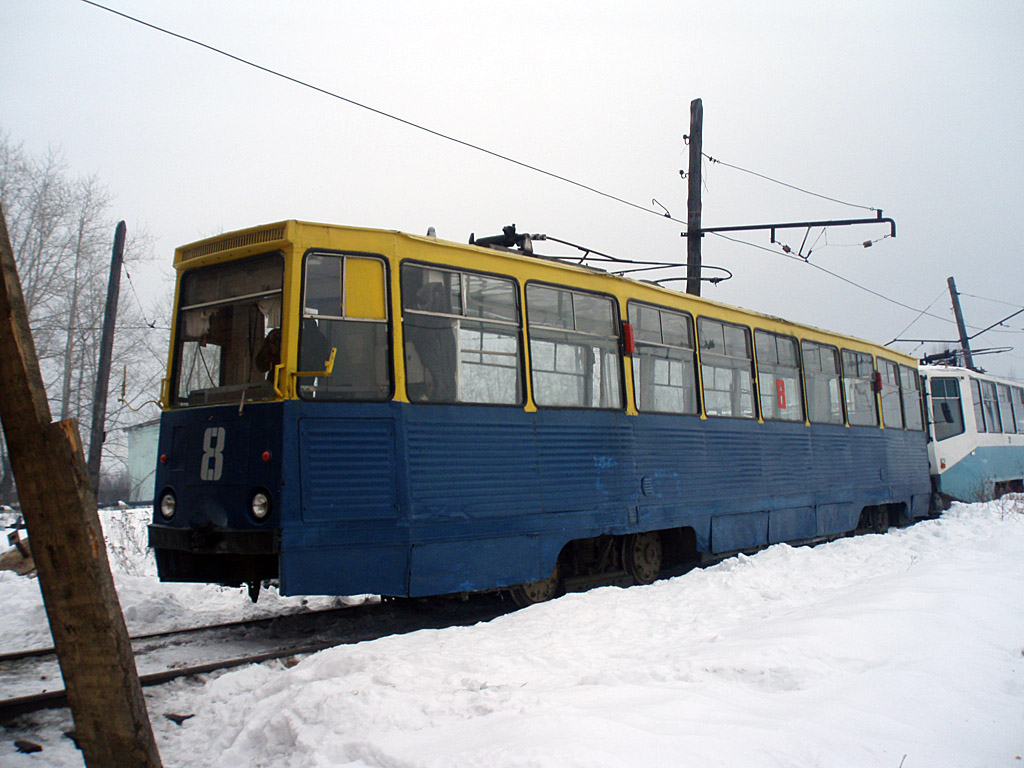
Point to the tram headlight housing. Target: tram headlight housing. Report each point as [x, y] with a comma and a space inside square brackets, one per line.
[168, 505]
[260, 505]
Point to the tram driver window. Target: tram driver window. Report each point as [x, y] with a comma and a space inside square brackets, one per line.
[344, 308]
[947, 412]
[726, 368]
[224, 317]
[664, 368]
[574, 348]
[461, 337]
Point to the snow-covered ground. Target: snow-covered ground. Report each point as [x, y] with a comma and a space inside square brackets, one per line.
[903, 649]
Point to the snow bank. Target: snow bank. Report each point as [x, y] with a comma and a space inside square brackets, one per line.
[148, 605]
[854, 653]
[873, 651]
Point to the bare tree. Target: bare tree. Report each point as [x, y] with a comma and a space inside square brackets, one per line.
[61, 230]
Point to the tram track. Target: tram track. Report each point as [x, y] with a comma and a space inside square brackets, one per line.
[158, 656]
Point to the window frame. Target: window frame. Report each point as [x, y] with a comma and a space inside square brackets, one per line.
[918, 405]
[887, 368]
[638, 342]
[519, 324]
[616, 336]
[799, 368]
[749, 336]
[958, 398]
[837, 359]
[844, 351]
[387, 322]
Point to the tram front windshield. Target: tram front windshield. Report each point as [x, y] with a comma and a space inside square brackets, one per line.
[229, 332]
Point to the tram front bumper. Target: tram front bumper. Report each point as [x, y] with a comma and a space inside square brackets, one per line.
[215, 555]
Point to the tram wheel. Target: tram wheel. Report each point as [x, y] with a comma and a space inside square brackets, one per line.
[880, 521]
[534, 592]
[642, 556]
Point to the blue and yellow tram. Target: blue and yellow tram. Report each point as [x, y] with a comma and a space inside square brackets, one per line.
[355, 411]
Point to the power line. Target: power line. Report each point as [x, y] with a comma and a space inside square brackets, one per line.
[919, 316]
[790, 186]
[380, 112]
[994, 301]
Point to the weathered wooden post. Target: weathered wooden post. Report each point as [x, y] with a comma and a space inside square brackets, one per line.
[59, 506]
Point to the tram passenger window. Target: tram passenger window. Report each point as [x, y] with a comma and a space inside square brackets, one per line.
[1005, 408]
[574, 348]
[461, 337]
[824, 392]
[979, 409]
[947, 412]
[664, 371]
[726, 368]
[858, 386]
[991, 406]
[1018, 407]
[911, 385]
[344, 307]
[778, 377]
[892, 409]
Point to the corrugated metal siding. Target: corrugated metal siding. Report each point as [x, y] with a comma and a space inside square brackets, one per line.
[348, 469]
[485, 468]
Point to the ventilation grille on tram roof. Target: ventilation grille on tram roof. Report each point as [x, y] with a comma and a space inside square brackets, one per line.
[268, 235]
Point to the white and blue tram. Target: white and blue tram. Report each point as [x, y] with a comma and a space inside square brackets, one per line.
[976, 440]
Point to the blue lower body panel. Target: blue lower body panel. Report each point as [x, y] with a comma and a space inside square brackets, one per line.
[419, 500]
[975, 476]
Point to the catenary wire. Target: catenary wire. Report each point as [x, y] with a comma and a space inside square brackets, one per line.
[919, 316]
[380, 112]
[500, 156]
[790, 186]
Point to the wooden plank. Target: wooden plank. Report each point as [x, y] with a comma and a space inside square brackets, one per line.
[59, 506]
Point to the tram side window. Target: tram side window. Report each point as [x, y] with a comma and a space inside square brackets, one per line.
[990, 403]
[726, 366]
[574, 348]
[664, 371]
[858, 381]
[979, 409]
[824, 392]
[1018, 407]
[344, 307]
[911, 386]
[1005, 408]
[461, 337]
[778, 377]
[947, 412]
[892, 410]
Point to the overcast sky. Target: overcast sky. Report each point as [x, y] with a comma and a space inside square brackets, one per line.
[915, 108]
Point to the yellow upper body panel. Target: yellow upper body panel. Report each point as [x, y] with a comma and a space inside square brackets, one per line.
[295, 238]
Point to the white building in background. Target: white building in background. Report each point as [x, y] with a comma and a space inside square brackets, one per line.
[142, 449]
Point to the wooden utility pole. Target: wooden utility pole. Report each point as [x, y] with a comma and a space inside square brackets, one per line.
[693, 232]
[99, 403]
[965, 342]
[112, 725]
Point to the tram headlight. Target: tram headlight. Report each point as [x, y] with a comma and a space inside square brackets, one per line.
[260, 505]
[168, 504]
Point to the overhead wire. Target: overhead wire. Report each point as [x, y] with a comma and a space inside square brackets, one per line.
[382, 113]
[785, 184]
[439, 134]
